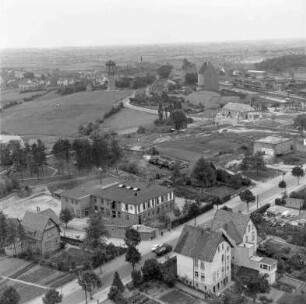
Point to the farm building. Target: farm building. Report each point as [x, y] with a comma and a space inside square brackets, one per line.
[256, 73]
[131, 203]
[234, 113]
[208, 77]
[272, 146]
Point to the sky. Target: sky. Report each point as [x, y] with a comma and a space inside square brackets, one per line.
[64, 23]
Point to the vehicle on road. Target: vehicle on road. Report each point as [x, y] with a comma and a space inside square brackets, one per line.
[156, 246]
[165, 248]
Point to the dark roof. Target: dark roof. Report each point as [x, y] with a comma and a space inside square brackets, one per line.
[51, 214]
[196, 242]
[205, 66]
[121, 193]
[234, 224]
[35, 223]
[86, 189]
[247, 272]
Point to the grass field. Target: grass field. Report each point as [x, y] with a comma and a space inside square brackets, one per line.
[129, 119]
[11, 95]
[60, 116]
[191, 148]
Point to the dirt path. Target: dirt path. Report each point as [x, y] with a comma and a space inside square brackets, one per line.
[24, 282]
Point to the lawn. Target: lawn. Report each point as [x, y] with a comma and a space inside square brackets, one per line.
[60, 116]
[206, 98]
[13, 94]
[178, 297]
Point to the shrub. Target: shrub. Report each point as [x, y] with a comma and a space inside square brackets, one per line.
[151, 270]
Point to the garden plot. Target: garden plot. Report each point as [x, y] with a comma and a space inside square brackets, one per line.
[175, 296]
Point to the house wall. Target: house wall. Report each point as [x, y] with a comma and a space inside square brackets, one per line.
[121, 213]
[206, 276]
[250, 235]
[51, 238]
[80, 207]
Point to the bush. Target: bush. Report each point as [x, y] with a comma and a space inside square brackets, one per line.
[151, 270]
[280, 202]
[113, 110]
[262, 209]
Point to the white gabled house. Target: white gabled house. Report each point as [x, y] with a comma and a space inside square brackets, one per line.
[242, 232]
[203, 259]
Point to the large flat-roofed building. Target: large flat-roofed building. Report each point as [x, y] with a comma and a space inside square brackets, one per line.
[131, 202]
[272, 145]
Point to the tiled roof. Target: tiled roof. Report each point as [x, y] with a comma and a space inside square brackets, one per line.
[51, 214]
[87, 188]
[239, 107]
[234, 224]
[143, 193]
[35, 223]
[198, 243]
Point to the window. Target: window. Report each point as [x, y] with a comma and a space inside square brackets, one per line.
[227, 248]
[202, 277]
[249, 227]
[202, 265]
[253, 236]
[102, 210]
[126, 207]
[264, 266]
[143, 206]
[222, 246]
[218, 248]
[196, 263]
[196, 274]
[96, 208]
[222, 257]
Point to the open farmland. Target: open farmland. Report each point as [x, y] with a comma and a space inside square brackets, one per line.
[60, 116]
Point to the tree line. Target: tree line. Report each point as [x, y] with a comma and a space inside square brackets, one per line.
[99, 151]
[32, 157]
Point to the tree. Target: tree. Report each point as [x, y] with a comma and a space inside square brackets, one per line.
[52, 297]
[258, 162]
[132, 237]
[191, 78]
[151, 270]
[95, 232]
[282, 185]
[204, 173]
[117, 282]
[136, 277]
[177, 176]
[66, 216]
[132, 256]
[164, 71]
[10, 296]
[298, 172]
[300, 122]
[247, 196]
[89, 280]
[61, 149]
[252, 285]
[179, 119]
[160, 112]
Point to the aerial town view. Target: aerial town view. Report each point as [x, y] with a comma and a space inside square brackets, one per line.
[152, 152]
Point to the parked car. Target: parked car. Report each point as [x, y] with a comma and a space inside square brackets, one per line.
[155, 247]
[165, 248]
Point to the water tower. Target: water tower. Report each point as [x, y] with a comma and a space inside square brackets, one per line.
[111, 70]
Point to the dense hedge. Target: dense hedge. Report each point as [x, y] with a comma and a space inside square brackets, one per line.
[262, 209]
[188, 216]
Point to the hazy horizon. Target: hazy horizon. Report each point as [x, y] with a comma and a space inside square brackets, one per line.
[103, 23]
